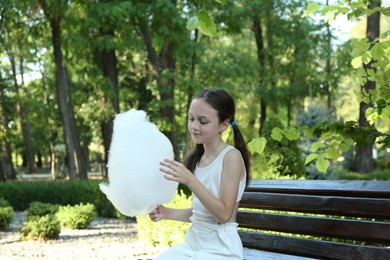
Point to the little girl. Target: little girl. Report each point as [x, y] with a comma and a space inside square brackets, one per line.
[217, 175]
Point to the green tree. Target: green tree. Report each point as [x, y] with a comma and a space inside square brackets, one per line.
[54, 13]
[364, 160]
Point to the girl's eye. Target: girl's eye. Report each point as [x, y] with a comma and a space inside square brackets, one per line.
[203, 122]
[191, 119]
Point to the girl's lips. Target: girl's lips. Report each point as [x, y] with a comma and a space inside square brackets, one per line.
[195, 134]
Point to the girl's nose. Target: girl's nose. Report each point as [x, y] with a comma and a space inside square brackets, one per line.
[194, 125]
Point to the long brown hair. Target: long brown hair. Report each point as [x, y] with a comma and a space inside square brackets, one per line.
[221, 101]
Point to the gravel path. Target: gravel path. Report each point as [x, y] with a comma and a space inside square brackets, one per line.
[104, 239]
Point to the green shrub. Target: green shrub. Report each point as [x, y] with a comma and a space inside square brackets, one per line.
[77, 216]
[39, 209]
[341, 174]
[41, 228]
[280, 159]
[6, 216]
[21, 193]
[165, 232]
[4, 203]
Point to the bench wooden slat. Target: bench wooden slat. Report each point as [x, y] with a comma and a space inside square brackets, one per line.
[333, 205]
[267, 255]
[337, 228]
[374, 189]
[311, 248]
[336, 210]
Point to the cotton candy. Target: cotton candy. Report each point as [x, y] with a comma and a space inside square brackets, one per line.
[136, 185]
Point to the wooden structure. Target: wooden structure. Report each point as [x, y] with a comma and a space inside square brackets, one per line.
[346, 220]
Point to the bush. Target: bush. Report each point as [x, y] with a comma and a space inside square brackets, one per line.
[76, 217]
[4, 203]
[280, 159]
[165, 232]
[6, 216]
[21, 193]
[311, 117]
[342, 174]
[41, 228]
[39, 209]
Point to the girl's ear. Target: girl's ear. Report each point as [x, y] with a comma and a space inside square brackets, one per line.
[224, 125]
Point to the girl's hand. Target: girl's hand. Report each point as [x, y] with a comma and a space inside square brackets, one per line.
[176, 172]
[157, 214]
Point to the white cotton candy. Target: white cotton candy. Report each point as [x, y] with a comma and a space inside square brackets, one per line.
[136, 185]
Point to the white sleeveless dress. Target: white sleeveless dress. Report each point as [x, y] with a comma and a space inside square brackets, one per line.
[206, 239]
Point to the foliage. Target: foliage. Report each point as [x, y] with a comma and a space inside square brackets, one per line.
[39, 209]
[4, 202]
[6, 216]
[383, 163]
[280, 158]
[294, 53]
[309, 118]
[77, 216]
[21, 193]
[165, 232]
[314, 114]
[378, 175]
[203, 22]
[377, 54]
[41, 228]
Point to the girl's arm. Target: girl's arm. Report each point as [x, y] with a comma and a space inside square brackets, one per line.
[221, 208]
[162, 212]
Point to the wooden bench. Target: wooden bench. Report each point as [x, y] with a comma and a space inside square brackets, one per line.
[346, 220]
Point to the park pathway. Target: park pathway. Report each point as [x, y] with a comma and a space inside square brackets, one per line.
[104, 239]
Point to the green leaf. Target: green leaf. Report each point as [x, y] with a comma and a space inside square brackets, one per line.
[277, 134]
[371, 11]
[360, 47]
[386, 11]
[349, 141]
[257, 145]
[316, 146]
[371, 115]
[206, 26]
[221, 1]
[333, 153]
[357, 62]
[326, 135]
[327, 8]
[322, 164]
[311, 157]
[311, 8]
[293, 134]
[377, 51]
[308, 132]
[344, 147]
[192, 23]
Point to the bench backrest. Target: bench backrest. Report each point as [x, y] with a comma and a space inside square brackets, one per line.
[356, 212]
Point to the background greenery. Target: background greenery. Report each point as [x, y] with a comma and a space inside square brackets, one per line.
[67, 67]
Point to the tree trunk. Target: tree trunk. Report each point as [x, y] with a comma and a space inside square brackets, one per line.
[166, 86]
[53, 134]
[107, 62]
[258, 32]
[364, 159]
[7, 171]
[22, 111]
[167, 110]
[289, 113]
[189, 144]
[328, 71]
[25, 125]
[76, 161]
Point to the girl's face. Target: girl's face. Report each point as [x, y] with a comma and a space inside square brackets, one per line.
[203, 122]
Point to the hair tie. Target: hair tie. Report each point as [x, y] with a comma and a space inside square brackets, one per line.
[233, 123]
